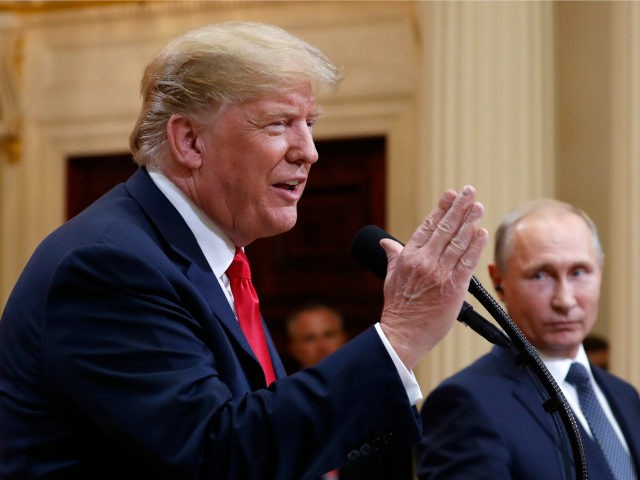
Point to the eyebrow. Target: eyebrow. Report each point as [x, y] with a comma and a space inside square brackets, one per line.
[546, 266]
[293, 113]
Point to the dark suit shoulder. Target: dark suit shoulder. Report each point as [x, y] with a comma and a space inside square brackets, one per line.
[604, 377]
[484, 376]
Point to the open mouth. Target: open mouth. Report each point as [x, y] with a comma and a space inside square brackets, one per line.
[290, 186]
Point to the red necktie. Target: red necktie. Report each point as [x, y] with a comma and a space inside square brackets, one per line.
[248, 311]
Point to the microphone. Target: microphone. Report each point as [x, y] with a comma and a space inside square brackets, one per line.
[366, 249]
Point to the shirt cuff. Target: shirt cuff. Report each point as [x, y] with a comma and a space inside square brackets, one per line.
[406, 376]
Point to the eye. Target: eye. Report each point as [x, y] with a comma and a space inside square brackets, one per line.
[277, 126]
[539, 275]
[578, 272]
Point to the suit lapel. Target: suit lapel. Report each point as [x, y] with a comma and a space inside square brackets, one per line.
[624, 408]
[217, 300]
[525, 391]
[527, 394]
[186, 253]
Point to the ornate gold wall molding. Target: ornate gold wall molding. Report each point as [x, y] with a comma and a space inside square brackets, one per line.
[35, 13]
[10, 107]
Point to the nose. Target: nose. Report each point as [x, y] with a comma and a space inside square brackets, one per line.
[563, 296]
[302, 148]
[325, 346]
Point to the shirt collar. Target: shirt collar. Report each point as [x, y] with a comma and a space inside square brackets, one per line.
[559, 367]
[216, 247]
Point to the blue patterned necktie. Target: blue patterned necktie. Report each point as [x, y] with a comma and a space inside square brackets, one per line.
[617, 457]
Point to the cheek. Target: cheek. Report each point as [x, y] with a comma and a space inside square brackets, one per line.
[527, 309]
[589, 304]
[267, 152]
[588, 293]
[532, 297]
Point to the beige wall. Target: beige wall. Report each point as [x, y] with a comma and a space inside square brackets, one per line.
[521, 99]
[584, 96]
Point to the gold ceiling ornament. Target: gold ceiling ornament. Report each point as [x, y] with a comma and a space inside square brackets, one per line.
[40, 6]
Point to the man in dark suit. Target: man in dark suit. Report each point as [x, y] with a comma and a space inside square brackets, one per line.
[126, 347]
[488, 421]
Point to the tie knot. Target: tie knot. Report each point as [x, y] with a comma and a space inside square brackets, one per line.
[239, 267]
[578, 376]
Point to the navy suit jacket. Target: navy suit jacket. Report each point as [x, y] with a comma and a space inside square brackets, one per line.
[120, 357]
[488, 422]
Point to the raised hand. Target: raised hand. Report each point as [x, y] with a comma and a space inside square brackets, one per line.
[427, 279]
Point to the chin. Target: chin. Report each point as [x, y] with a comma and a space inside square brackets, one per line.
[277, 226]
[286, 222]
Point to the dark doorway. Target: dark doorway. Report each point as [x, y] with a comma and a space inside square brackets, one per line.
[310, 263]
[90, 177]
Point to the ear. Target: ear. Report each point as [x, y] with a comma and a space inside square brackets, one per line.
[182, 135]
[496, 279]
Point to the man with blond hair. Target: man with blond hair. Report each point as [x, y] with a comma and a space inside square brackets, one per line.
[132, 344]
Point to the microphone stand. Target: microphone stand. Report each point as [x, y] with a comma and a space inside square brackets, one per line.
[366, 249]
[526, 356]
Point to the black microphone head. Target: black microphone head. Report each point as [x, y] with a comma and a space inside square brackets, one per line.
[366, 249]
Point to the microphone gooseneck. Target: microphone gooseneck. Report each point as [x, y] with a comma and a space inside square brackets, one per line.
[366, 249]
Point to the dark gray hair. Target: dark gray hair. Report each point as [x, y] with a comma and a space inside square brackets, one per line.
[505, 229]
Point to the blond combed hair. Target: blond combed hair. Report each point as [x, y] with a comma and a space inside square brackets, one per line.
[233, 62]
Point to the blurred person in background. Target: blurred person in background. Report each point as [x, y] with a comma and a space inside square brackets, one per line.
[597, 349]
[313, 332]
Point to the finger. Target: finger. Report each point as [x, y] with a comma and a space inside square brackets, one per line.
[469, 260]
[460, 242]
[447, 228]
[424, 231]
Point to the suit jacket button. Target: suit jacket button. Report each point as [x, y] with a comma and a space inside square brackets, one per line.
[366, 450]
[353, 455]
[377, 444]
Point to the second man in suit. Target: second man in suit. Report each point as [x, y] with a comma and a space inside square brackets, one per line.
[488, 421]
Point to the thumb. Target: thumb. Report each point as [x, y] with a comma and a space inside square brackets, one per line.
[392, 248]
